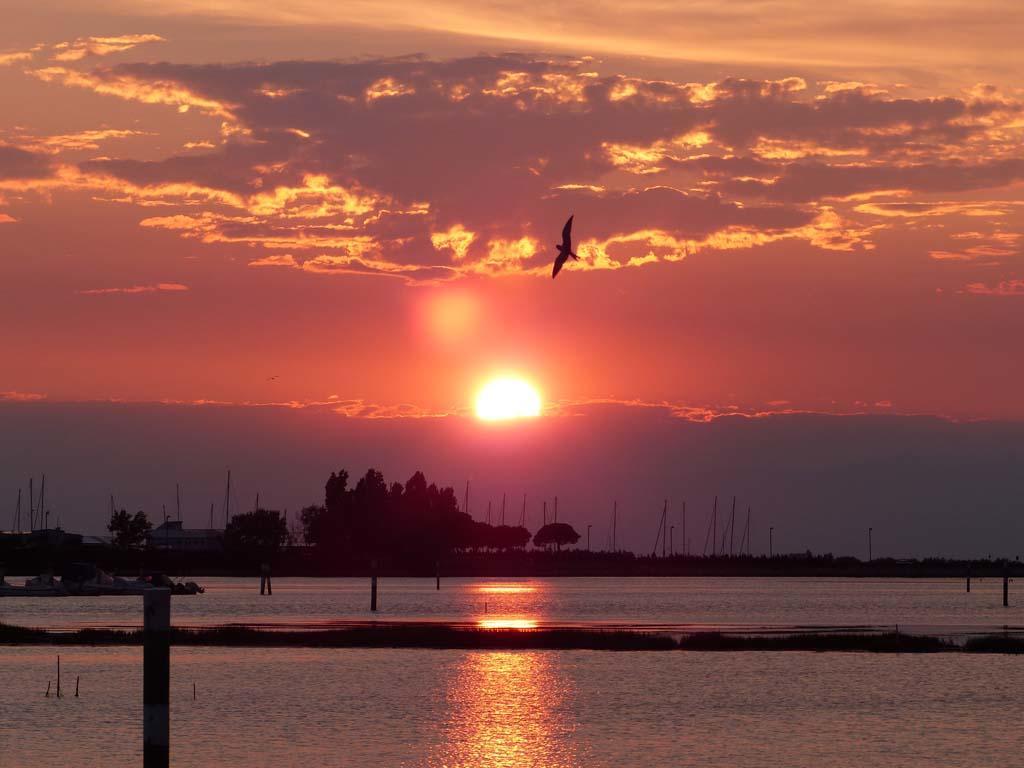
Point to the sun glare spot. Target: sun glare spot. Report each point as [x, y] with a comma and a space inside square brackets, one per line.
[507, 398]
[507, 624]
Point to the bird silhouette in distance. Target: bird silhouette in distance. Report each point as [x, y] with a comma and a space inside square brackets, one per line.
[564, 250]
[272, 378]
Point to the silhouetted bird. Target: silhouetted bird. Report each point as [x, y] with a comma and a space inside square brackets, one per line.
[564, 250]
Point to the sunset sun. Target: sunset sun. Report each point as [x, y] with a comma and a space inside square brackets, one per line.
[507, 397]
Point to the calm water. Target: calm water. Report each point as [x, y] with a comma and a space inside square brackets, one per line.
[387, 707]
[911, 603]
[260, 707]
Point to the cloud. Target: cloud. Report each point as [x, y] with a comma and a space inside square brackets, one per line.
[275, 260]
[20, 397]
[82, 47]
[154, 288]
[17, 163]
[79, 140]
[1013, 287]
[14, 57]
[428, 170]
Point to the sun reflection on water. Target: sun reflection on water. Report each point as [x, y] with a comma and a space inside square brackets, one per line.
[507, 623]
[502, 588]
[509, 709]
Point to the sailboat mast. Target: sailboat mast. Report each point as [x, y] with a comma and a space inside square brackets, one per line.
[31, 506]
[177, 499]
[664, 522]
[714, 522]
[684, 529]
[227, 500]
[615, 525]
[732, 525]
[503, 509]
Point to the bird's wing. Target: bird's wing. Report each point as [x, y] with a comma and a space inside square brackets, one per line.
[559, 261]
[567, 235]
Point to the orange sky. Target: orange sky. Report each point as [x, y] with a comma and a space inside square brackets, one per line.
[778, 207]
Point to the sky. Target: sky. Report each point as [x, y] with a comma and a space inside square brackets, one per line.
[345, 214]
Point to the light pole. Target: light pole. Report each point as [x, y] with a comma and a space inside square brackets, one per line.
[869, 544]
[771, 545]
[588, 537]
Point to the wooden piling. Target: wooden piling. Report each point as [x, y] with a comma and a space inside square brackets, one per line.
[193, 691]
[58, 676]
[968, 581]
[437, 572]
[156, 678]
[1006, 591]
[47, 695]
[78, 679]
[373, 586]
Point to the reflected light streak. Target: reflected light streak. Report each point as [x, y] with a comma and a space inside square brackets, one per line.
[507, 623]
[509, 709]
[506, 589]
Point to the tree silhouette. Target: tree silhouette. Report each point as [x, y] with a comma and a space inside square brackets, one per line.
[557, 534]
[262, 531]
[417, 520]
[129, 530]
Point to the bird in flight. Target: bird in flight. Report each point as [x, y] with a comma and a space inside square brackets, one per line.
[564, 250]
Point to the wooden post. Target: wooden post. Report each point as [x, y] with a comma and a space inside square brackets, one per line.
[373, 585]
[1006, 590]
[78, 679]
[156, 678]
[437, 571]
[47, 689]
[968, 581]
[58, 673]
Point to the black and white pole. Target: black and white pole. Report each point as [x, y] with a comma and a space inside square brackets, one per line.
[156, 678]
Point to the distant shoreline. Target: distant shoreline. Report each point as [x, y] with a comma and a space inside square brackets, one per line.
[443, 636]
[309, 562]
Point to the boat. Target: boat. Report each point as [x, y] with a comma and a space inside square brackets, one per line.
[39, 586]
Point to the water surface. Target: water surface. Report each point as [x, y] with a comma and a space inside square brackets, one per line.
[477, 709]
[931, 605]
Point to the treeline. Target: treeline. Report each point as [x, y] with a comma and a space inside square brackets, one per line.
[417, 518]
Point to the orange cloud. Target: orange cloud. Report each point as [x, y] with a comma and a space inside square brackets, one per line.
[157, 287]
[7, 59]
[125, 86]
[100, 46]
[1014, 287]
[21, 397]
[275, 260]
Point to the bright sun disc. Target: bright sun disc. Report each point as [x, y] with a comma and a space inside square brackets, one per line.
[507, 398]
